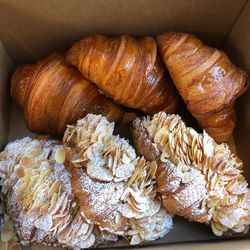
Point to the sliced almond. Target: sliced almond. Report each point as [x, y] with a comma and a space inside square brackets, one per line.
[215, 230]
[152, 170]
[54, 188]
[220, 227]
[26, 162]
[135, 240]
[164, 157]
[43, 210]
[125, 158]
[99, 173]
[60, 155]
[173, 123]
[36, 151]
[20, 171]
[53, 202]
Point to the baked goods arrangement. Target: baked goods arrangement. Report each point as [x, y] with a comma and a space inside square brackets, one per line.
[81, 185]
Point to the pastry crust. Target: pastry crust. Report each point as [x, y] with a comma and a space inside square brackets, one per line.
[39, 196]
[115, 189]
[197, 178]
[126, 69]
[53, 94]
[206, 79]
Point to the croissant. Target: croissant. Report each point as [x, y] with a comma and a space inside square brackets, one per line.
[127, 70]
[39, 195]
[54, 94]
[114, 188]
[206, 79]
[197, 178]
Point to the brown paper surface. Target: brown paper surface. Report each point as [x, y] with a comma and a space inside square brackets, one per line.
[32, 29]
[5, 70]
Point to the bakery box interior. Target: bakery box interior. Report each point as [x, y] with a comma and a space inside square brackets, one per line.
[31, 30]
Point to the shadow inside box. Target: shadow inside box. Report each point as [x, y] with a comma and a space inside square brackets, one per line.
[183, 232]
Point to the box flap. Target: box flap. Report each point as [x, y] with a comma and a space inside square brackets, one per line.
[5, 69]
[31, 30]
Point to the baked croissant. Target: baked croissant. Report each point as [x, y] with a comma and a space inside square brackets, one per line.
[206, 79]
[54, 94]
[115, 189]
[197, 178]
[127, 70]
[39, 195]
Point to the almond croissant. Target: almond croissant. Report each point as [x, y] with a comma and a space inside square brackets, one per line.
[206, 79]
[54, 94]
[197, 178]
[115, 189]
[39, 195]
[127, 70]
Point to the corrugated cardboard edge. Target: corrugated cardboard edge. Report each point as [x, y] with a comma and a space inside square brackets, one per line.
[237, 47]
[6, 66]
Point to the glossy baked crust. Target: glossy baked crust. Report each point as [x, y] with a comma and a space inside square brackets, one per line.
[126, 69]
[206, 79]
[53, 94]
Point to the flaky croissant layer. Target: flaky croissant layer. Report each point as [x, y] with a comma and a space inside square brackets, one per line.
[53, 94]
[126, 69]
[206, 79]
[197, 178]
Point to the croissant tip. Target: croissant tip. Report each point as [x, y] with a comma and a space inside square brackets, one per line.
[19, 82]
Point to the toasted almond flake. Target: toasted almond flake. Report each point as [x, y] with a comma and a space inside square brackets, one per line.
[54, 188]
[36, 151]
[164, 157]
[220, 227]
[60, 155]
[173, 123]
[20, 171]
[99, 173]
[215, 230]
[43, 209]
[135, 240]
[26, 162]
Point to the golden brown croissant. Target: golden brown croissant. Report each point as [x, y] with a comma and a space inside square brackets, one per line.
[126, 69]
[206, 79]
[54, 94]
[197, 178]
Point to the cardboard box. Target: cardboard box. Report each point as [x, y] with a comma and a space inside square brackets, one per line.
[30, 30]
